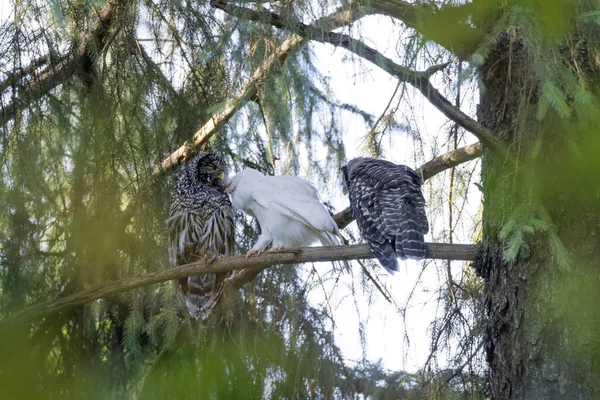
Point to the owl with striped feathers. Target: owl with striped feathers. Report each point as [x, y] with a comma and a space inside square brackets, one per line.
[387, 202]
[201, 226]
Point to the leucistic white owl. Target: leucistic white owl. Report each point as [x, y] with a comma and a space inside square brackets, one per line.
[287, 208]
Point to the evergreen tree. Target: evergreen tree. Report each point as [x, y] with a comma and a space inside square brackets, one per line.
[101, 101]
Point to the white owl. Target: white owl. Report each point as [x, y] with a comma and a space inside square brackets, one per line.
[287, 208]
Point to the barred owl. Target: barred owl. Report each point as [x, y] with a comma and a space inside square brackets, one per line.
[387, 202]
[201, 225]
[287, 208]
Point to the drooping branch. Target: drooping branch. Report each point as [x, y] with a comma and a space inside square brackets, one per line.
[420, 80]
[339, 18]
[294, 256]
[68, 65]
[427, 170]
[462, 43]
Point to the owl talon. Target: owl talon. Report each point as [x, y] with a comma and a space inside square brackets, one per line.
[210, 258]
[275, 249]
[252, 253]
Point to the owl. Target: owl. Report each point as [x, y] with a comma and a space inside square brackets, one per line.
[287, 208]
[387, 202]
[201, 225]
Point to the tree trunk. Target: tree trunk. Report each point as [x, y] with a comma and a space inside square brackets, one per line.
[541, 334]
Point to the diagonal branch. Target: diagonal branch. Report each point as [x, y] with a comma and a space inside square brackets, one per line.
[427, 170]
[231, 106]
[54, 75]
[291, 256]
[335, 20]
[13, 77]
[420, 80]
[449, 160]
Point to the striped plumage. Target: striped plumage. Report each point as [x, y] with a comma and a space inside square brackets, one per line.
[387, 202]
[200, 226]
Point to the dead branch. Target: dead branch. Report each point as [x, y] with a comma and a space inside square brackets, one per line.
[253, 264]
[449, 160]
[231, 106]
[68, 65]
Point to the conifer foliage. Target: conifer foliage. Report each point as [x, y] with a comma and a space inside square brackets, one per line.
[102, 101]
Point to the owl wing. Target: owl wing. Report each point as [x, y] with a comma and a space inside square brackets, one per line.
[367, 211]
[218, 238]
[192, 236]
[296, 199]
[390, 211]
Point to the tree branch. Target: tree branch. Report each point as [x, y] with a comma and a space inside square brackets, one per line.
[464, 39]
[337, 19]
[68, 65]
[427, 170]
[288, 256]
[231, 106]
[21, 72]
[420, 80]
[449, 160]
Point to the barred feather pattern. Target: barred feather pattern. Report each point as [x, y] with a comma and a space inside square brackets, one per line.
[387, 202]
[201, 226]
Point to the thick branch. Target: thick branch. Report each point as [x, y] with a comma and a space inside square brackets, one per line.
[231, 106]
[298, 256]
[419, 80]
[427, 170]
[13, 77]
[68, 65]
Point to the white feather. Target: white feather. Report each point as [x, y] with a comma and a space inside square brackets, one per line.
[287, 208]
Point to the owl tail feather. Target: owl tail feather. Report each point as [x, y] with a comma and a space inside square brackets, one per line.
[410, 242]
[203, 293]
[385, 255]
[330, 239]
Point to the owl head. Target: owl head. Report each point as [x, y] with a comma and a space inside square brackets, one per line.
[347, 171]
[206, 169]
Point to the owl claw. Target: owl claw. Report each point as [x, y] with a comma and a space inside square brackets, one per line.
[252, 253]
[275, 249]
[210, 258]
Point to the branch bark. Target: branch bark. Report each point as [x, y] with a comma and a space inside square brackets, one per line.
[449, 160]
[68, 65]
[420, 80]
[13, 78]
[288, 256]
[427, 170]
